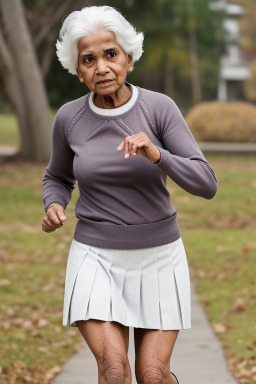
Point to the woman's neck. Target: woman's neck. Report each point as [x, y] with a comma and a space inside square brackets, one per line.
[114, 100]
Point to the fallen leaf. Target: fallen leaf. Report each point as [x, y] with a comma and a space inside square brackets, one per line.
[245, 373]
[201, 273]
[222, 276]
[27, 324]
[36, 333]
[29, 379]
[10, 311]
[239, 305]
[239, 308]
[42, 322]
[219, 328]
[51, 373]
[43, 349]
[72, 332]
[47, 288]
[18, 321]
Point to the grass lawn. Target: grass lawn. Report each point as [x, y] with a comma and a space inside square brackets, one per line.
[219, 236]
[8, 130]
[9, 134]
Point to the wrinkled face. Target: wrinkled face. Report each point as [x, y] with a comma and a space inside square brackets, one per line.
[102, 63]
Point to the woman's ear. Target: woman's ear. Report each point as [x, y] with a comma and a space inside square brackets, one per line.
[130, 63]
[80, 77]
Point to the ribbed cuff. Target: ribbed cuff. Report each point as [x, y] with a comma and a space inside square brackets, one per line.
[54, 200]
[53, 204]
[164, 159]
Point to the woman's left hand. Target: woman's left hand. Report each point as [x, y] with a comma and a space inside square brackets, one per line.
[140, 144]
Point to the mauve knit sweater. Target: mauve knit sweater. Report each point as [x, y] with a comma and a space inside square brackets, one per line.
[123, 203]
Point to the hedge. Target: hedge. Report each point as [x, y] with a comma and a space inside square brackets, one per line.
[223, 121]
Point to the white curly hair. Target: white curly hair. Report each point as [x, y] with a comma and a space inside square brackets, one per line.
[90, 20]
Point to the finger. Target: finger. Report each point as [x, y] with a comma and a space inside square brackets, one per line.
[142, 143]
[52, 218]
[121, 146]
[48, 227]
[47, 230]
[60, 213]
[142, 148]
[51, 228]
[54, 213]
[46, 221]
[134, 149]
[126, 149]
[130, 145]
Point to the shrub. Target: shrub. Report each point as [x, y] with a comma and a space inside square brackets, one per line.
[223, 121]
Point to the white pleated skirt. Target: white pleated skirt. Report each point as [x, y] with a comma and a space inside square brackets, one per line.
[141, 288]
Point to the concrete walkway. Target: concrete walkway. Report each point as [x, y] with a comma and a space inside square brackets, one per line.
[197, 357]
[7, 150]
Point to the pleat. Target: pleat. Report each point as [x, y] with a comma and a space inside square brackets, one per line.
[117, 273]
[168, 296]
[83, 286]
[182, 280]
[76, 256]
[100, 297]
[149, 294]
[146, 288]
[131, 288]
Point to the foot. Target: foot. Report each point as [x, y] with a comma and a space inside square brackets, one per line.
[175, 380]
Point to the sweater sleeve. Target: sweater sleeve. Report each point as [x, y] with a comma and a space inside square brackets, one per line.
[181, 158]
[59, 181]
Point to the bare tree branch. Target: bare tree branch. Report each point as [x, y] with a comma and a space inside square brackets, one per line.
[48, 23]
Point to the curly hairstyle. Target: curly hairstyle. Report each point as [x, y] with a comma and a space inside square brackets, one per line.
[88, 21]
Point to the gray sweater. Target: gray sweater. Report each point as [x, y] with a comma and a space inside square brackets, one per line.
[123, 203]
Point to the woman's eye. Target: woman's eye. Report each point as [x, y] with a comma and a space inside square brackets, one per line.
[87, 60]
[112, 54]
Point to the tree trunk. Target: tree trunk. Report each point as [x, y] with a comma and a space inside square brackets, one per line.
[13, 94]
[32, 108]
[195, 75]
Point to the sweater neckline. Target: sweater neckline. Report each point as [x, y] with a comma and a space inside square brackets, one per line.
[114, 111]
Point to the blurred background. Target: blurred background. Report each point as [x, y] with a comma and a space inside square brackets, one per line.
[201, 53]
[195, 51]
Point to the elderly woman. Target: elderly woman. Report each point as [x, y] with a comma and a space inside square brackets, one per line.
[127, 266]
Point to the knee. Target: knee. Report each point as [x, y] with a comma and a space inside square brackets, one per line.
[114, 366]
[151, 372]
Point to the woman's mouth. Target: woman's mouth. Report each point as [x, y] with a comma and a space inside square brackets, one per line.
[103, 83]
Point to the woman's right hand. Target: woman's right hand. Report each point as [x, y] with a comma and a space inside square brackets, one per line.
[53, 218]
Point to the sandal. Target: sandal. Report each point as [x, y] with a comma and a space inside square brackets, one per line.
[175, 377]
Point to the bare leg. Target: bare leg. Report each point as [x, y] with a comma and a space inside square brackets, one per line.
[108, 341]
[153, 350]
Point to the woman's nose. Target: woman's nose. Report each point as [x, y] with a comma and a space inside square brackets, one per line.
[101, 66]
